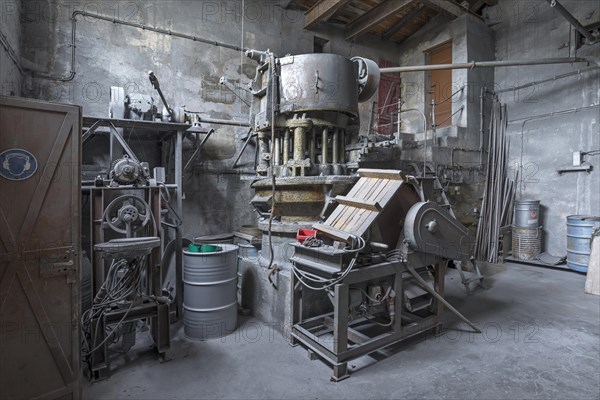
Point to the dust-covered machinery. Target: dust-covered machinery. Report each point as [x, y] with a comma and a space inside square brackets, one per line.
[305, 108]
[380, 257]
[305, 112]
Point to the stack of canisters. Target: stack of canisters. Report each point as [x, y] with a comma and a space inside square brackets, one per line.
[526, 230]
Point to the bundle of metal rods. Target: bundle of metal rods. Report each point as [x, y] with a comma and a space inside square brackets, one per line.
[499, 192]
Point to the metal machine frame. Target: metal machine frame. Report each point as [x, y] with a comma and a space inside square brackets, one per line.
[157, 314]
[349, 341]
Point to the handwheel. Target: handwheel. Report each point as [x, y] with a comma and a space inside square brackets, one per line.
[127, 214]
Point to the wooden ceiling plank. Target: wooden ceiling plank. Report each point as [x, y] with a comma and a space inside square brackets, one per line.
[450, 8]
[374, 16]
[407, 18]
[322, 11]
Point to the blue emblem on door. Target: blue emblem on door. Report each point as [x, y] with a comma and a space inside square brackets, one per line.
[17, 164]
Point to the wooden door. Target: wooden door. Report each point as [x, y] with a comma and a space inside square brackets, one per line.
[39, 249]
[440, 84]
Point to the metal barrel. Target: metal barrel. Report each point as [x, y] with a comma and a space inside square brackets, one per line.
[527, 213]
[210, 293]
[526, 242]
[579, 240]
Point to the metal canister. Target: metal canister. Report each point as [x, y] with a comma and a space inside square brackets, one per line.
[527, 213]
[579, 240]
[526, 242]
[210, 293]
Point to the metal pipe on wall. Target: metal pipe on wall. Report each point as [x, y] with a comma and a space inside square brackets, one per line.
[552, 79]
[542, 116]
[487, 64]
[77, 13]
[572, 20]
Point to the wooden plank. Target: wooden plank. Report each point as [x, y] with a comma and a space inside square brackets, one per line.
[377, 195]
[402, 22]
[592, 281]
[333, 233]
[322, 11]
[392, 189]
[357, 187]
[368, 20]
[344, 217]
[381, 173]
[366, 204]
[355, 221]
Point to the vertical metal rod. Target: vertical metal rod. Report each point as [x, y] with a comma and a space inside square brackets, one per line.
[399, 122]
[342, 146]
[324, 141]
[481, 122]
[336, 146]
[286, 147]
[179, 231]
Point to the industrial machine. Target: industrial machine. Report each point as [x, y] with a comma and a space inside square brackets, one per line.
[380, 257]
[130, 221]
[305, 113]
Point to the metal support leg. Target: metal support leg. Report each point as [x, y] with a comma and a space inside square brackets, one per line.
[296, 305]
[440, 280]
[340, 330]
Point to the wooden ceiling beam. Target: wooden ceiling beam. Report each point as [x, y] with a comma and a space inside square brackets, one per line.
[449, 8]
[374, 16]
[322, 11]
[402, 22]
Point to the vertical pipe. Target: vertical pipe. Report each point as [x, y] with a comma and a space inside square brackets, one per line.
[342, 146]
[399, 112]
[481, 122]
[313, 146]
[178, 232]
[324, 141]
[336, 146]
[286, 147]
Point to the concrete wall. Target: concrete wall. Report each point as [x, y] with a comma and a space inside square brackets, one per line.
[216, 196]
[459, 143]
[10, 30]
[533, 30]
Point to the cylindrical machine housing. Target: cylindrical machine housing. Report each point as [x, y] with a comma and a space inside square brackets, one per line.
[318, 82]
[526, 242]
[210, 293]
[527, 213]
[579, 240]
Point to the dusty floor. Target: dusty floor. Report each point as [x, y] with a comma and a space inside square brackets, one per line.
[541, 339]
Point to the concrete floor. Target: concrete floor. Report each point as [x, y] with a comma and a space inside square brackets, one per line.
[541, 340]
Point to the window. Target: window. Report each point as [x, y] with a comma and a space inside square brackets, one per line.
[438, 84]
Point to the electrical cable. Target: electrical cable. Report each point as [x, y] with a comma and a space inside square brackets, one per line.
[303, 277]
[385, 296]
[273, 268]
